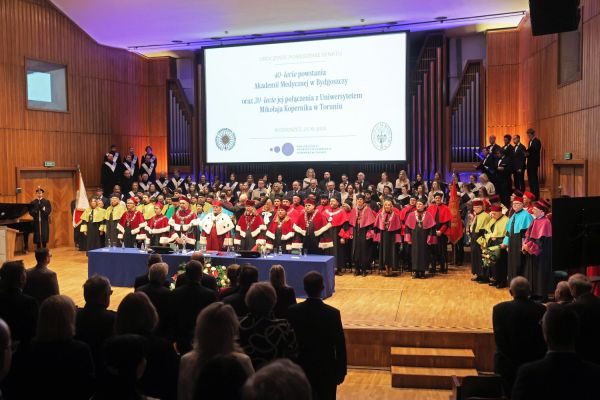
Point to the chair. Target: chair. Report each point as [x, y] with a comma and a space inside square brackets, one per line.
[477, 387]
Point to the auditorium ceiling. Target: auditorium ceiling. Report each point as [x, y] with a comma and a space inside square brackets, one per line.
[135, 24]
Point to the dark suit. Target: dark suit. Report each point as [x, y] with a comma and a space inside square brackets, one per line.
[336, 194]
[518, 335]
[286, 297]
[291, 193]
[237, 300]
[20, 312]
[503, 179]
[557, 376]
[533, 163]
[587, 308]
[160, 297]
[93, 325]
[209, 282]
[316, 192]
[492, 148]
[186, 303]
[142, 280]
[322, 346]
[519, 155]
[488, 167]
[41, 283]
[323, 184]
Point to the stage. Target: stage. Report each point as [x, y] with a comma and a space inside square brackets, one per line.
[445, 311]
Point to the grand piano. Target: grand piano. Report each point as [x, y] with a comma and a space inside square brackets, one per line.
[16, 216]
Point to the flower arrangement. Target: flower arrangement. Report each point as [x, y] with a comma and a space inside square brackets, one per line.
[219, 272]
[180, 270]
[489, 255]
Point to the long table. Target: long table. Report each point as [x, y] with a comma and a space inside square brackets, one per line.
[121, 266]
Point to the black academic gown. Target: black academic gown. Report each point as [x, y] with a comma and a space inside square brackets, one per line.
[40, 212]
[93, 238]
[420, 252]
[538, 269]
[109, 178]
[338, 250]
[111, 228]
[362, 252]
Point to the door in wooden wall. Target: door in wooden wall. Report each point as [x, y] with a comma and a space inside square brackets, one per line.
[60, 187]
[570, 178]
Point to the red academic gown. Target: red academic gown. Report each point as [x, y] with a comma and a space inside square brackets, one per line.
[131, 226]
[182, 223]
[216, 231]
[249, 231]
[158, 229]
[286, 234]
[319, 224]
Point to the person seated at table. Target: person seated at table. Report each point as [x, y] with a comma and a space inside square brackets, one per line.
[131, 225]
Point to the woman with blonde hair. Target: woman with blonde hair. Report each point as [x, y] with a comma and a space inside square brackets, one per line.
[286, 296]
[215, 335]
[310, 174]
[402, 180]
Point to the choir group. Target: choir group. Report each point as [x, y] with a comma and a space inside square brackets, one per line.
[396, 226]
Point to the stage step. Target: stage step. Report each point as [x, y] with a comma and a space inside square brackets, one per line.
[427, 378]
[432, 357]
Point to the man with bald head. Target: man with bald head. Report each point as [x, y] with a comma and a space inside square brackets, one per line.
[517, 332]
[587, 308]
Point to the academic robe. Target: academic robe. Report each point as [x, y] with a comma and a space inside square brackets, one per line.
[515, 232]
[339, 230]
[310, 231]
[495, 231]
[387, 228]
[126, 184]
[109, 177]
[405, 254]
[158, 230]
[361, 222]
[40, 212]
[147, 210]
[249, 232]
[442, 216]
[150, 169]
[112, 217]
[477, 230]
[175, 183]
[419, 233]
[92, 223]
[183, 226]
[538, 260]
[280, 234]
[133, 168]
[267, 216]
[131, 228]
[216, 231]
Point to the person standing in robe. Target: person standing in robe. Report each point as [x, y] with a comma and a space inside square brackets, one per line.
[132, 225]
[361, 220]
[132, 166]
[183, 224]
[533, 162]
[148, 167]
[420, 234]
[280, 232]
[387, 228]
[476, 231]
[250, 228]
[310, 227]
[92, 225]
[110, 174]
[405, 252]
[158, 227]
[216, 229]
[537, 247]
[146, 207]
[442, 216]
[162, 182]
[495, 233]
[513, 241]
[339, 232]
[40, 209]
[113, 214]
[176, 181]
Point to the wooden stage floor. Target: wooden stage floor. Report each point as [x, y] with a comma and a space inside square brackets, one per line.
[445, 303]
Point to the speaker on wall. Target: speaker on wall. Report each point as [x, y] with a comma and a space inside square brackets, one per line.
[554, 16]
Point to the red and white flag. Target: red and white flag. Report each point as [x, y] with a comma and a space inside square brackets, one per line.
[455, 233]
[81, 202]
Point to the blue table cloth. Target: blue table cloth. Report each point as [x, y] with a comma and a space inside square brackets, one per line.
[121, 266]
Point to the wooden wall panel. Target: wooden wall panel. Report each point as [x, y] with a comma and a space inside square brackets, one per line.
[565, 117]
[114, 96]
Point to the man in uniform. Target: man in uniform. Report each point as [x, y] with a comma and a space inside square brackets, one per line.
[40, 210]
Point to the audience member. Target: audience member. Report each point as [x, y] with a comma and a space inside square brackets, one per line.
[321, 342]
[517, 331]
[263, 337]
[286, 296]
[208, 281]
[587, 308]
[237, 300]
[94, 322]
[143, 279]
[216, 332]
[136, 315]
[278, 380]
[233, 274]
[561, 374]
[62, 366]
[562, 294]
[221, 377]
[125, 364]
[41, 282]
[159, 295]
[5, 351]
[17, 309]
[186, 303]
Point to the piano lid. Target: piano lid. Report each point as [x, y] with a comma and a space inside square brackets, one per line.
[10, 211]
